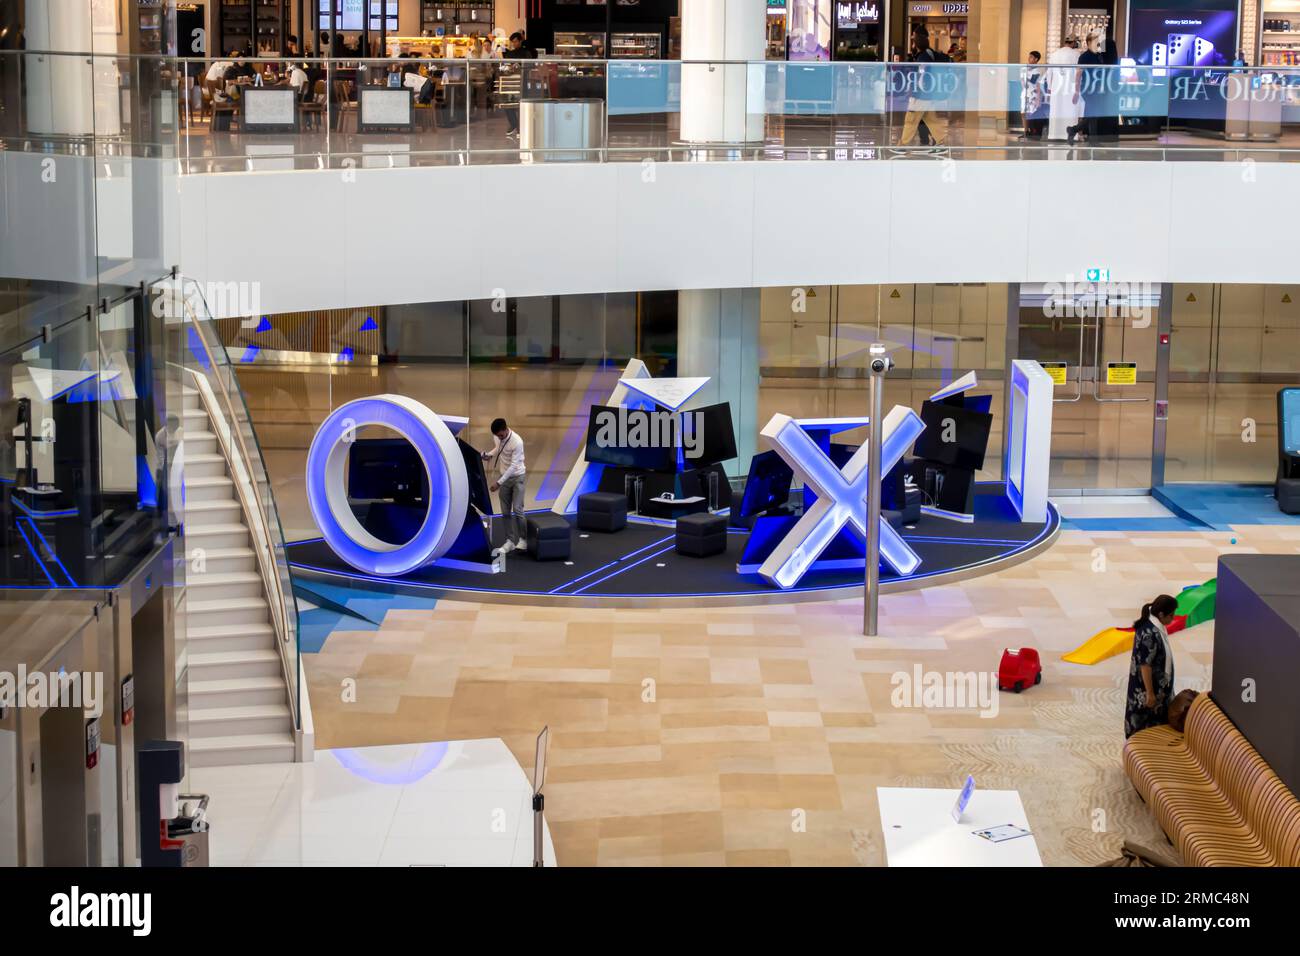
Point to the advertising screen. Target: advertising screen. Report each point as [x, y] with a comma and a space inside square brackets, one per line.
[1174, 35]
[809, 26]
[1291, 420]
[348, 14]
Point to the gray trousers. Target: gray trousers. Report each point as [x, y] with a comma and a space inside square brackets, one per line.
[511, 494]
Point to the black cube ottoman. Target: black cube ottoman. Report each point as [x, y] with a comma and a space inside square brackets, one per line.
[548, 537]
[1288, 495]
[701, 535]
[602, 511]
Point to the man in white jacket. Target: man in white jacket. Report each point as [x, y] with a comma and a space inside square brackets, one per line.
[507, 458]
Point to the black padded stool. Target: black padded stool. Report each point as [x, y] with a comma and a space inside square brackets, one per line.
[701, 535]
[602, 511]
[1288, 495]
[548, 537]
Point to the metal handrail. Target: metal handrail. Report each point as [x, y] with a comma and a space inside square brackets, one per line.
[265, 552]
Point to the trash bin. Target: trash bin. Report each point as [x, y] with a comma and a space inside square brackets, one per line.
[561, 131]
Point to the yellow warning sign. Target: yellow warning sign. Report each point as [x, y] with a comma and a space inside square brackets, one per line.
[1121, 373]
[1057, 370]
[1191, 297]
[895, 295]
[1286, 298]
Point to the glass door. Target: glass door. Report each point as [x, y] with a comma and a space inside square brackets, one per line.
[1233, 347]
[1099, 341]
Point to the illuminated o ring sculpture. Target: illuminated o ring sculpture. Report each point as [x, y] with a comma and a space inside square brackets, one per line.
[448, 485]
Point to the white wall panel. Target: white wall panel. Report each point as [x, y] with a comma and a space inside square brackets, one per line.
[1106, 215]
[434, 234]
[966, 220]
[684, 226]
[821, 223]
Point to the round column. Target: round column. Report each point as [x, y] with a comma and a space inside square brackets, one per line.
[60, 89]
[723, 103]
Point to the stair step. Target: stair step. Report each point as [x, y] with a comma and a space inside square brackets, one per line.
[226, 692]
[205, 465]
[213, 585]
[216, 535]
[223, 560]
[234, 665]
[240, 721]
[203, 513]
[208, 488]
[230, 637]
[201, 442]
[226, 559]
[241, 749]
[214, 613]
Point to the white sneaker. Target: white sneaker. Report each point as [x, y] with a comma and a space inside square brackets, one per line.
[506, 548]
[522, 546]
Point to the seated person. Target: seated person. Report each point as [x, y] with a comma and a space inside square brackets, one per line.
[219, 68]
[242, 70]
[299, 80]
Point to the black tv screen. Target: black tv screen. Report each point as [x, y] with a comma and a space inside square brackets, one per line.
[385, 469]
[478, 486]
[768, 484]
[718, 435]
[970, 435]
[630, 438]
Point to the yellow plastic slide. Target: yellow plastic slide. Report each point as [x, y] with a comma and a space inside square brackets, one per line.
[1104, 644]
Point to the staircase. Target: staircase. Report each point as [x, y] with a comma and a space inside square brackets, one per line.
[238, 704]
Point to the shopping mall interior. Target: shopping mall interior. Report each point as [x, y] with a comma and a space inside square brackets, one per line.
[649, 433]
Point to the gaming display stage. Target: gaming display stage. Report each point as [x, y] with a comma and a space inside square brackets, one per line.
[649, 515]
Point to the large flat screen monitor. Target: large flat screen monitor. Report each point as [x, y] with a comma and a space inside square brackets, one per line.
[630, 438]
[1288, 400]
[718, 436]
[768, 484]
[385, 469]
[478, 485]
[954, 435]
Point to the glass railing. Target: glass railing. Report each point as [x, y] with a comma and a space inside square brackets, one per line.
[213, 376]
[275, 114]
[281, 114]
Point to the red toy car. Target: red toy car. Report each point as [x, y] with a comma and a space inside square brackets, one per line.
[1019, 669]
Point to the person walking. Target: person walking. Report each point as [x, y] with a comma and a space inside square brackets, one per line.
[507, 459]
[1063, 87]
[516, 51]
[920, 104]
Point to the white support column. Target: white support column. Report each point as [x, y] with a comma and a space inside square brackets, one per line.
[717, 336]
[60, 89]
[723, 103]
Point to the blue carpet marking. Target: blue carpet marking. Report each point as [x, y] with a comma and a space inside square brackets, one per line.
[1220, 506]
[1132, 524]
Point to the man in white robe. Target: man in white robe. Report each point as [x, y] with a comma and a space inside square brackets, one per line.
[1063, 82]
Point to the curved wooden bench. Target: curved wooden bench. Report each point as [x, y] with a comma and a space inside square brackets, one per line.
[1214, 796]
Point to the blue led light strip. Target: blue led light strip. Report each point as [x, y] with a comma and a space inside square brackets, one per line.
[626, 567]
[569, 584]
[35, 557]
[53, 554]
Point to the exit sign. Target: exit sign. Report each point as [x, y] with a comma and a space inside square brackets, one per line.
[1098, 275]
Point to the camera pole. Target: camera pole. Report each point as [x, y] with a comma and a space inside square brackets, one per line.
[878, 366]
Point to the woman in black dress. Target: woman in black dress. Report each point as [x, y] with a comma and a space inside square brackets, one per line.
[1151, 669]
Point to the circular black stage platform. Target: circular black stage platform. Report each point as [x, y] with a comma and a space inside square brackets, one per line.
[639, 566]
